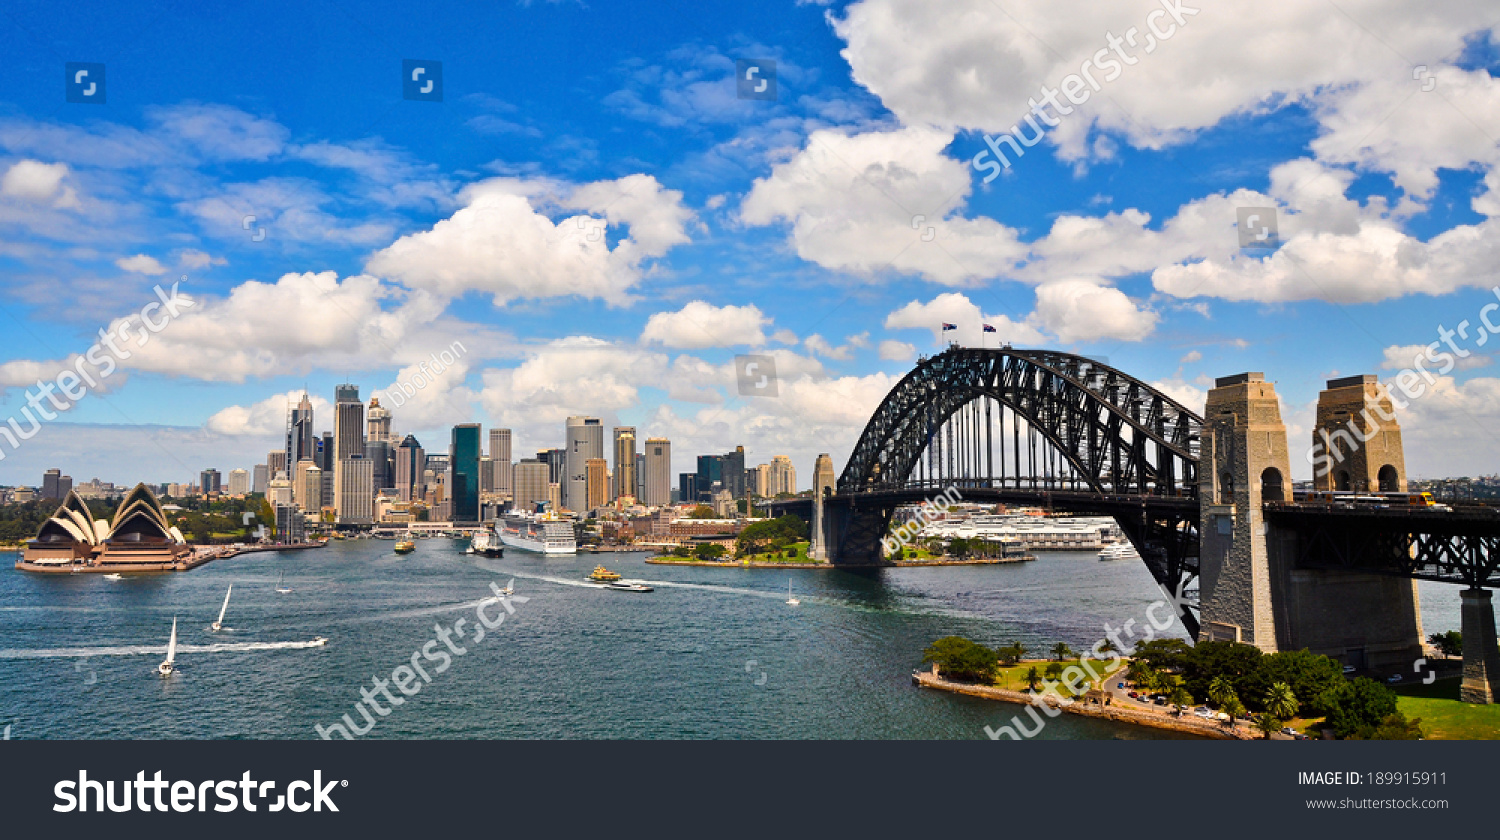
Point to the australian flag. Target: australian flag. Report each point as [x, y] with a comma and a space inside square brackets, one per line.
[947, 327]
[988, 328]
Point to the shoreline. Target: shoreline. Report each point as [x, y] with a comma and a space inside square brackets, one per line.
[669, 560]
[185, 565]
[1121, 714]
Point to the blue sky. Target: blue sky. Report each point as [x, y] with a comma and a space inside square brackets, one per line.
[602, 224]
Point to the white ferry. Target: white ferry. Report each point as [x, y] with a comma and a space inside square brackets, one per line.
[544, 534]
[1119, 551]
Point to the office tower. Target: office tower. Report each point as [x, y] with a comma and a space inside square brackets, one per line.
[530, 484]
[585, 440]
[823, 479]
[554, 496]
[710, 477]
[307, 490]
[379, 421]
[500, 454]
[486, 474]
[354, 490]
[300, 441]
[260, 478]
[687, 487]
[290, 524]
[279, 492]
[758, 480]
[51, 482]
[327, 459]
[658, 472]
[640, 477]
[624, 484]
[463, 460]
[557, 464]
[208, 481]
[596, 478]
[411, 461]
[378, 453]
[276, 465]
[783, 476]
[348, 424]
[732, 467]
[239, 482]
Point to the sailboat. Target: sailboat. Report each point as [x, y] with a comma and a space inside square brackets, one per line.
[790, 599]
[165, 669]
[280, 585]
[219, 625]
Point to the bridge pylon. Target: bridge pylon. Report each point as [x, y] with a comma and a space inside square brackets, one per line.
[1243, 463]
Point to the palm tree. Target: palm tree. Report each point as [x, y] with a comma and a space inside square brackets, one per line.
[1220, 690]
[1280, 701]
[1033, 679]
[1108, 646]
[1267, 724]
[1061, 651]
[1234, 708]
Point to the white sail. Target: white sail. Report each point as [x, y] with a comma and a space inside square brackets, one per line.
[224, 608]
[172, 645]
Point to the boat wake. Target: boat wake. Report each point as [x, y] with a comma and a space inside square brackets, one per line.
[143, 650]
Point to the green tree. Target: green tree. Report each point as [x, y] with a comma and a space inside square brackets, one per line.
[1011, 653]
[1033, 679]
[1267, 724]
[1357, 704]
[1393, 728]
[1308, 674]
[1233, 707]
[1280, 701]
[1180, 697]
[702, 512]
[1237, 663]
[709, 551]
[962, 659]
[1219, 691]
[1450, 643]
[1061, 651]
[1054, 671]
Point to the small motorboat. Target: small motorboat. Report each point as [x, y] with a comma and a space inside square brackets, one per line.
[114, 576]
[627, 587]
[320, 640]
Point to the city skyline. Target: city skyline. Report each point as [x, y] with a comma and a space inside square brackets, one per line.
[608, 250]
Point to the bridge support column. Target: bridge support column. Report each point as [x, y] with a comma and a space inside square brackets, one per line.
[1481, 658]
[818, 546]
[1364, 620]
[1244, 462]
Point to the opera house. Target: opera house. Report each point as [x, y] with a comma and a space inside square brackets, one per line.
[139, 538]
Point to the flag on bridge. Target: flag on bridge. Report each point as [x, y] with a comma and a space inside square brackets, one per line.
[947, 327]
[988, 328]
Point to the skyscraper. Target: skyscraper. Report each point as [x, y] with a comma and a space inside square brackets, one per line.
[658, 471]
[530, 483]
[463, 465]
[585, 440]
[348, 423]
[500, 455]
[640, 477]
[823, 477]
[378, 453]
[239, 482]
[208, 481]
[410, 462]
[596, 478]
[783, 476]
[380, 421]
[557, 464]
[624, 461]
[327, 460]
[307, 490]
[710, 478]
[486, 474]
[300, 442]
[52, 484]
[260, 478]
[732, 466]
[276, 464]
[354, 490]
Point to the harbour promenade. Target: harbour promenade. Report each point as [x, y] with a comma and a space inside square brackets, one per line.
[199, 556]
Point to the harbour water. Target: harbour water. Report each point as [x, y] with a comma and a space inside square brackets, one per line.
[711, 653]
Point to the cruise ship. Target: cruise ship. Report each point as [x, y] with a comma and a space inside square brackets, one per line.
[543, 534]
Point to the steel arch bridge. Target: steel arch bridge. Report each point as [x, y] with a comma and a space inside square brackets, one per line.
[1033, 427]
